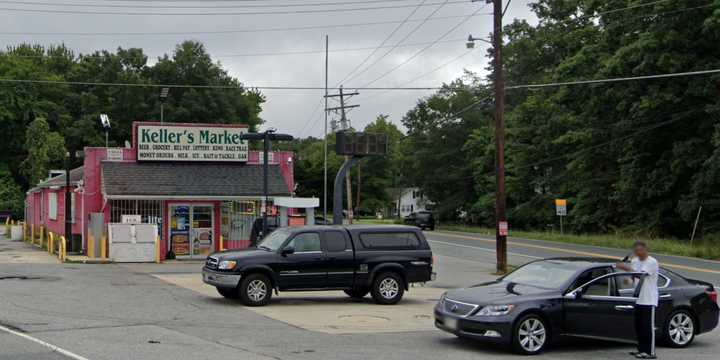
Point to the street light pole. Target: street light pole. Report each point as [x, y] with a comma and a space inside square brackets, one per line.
[500, 215]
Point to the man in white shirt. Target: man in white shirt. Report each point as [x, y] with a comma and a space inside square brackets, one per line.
[647, 294]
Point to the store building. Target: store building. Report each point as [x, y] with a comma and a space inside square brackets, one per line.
[197, 182]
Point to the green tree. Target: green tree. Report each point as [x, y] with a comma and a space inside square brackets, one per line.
[11, 195]
[44, 148]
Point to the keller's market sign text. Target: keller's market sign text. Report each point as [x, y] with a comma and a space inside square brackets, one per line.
[190, 143]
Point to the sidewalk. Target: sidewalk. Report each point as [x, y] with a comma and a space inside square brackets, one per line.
[19, 252]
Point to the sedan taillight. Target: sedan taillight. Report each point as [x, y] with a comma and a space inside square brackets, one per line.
[712, 294]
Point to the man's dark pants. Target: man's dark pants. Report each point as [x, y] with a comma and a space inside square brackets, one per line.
[645, 328]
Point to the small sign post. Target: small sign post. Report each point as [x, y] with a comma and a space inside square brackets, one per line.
[503, 228]
[561, 211]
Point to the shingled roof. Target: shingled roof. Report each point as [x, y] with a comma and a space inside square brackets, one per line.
[189, 179]
[76, 175]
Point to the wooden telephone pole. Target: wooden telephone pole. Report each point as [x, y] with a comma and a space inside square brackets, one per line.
[501, 226]
[345, 125]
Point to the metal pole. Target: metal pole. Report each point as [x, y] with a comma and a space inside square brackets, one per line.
[106, 138]
[561, 225]
[162, 117]
[500, 216]
[68, 207]
[325, 151]
[266, 148]
[697, 219]
[338, 188]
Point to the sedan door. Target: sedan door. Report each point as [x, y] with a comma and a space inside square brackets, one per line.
[304, 267]
[597, 310]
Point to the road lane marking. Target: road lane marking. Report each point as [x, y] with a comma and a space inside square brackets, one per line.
[48, 345]
[578, 252]
[481, 248]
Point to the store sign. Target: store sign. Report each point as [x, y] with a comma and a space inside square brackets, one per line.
[191, 143]
[130, 219]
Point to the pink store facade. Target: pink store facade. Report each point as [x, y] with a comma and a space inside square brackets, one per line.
[197, 182]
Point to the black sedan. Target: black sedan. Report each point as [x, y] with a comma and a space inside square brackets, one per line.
[546, 300]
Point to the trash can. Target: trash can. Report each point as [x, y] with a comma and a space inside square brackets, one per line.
[16, 233]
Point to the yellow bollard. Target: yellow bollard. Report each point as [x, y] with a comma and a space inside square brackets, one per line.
[222, 243]
[24, 232]
[62, 254]
[50, 242]
[90, 245]
[103, 247]
[157, 249]
[32, 233]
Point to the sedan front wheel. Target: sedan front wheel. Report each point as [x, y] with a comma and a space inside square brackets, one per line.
[530, 335]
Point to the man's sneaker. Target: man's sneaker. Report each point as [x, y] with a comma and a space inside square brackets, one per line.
[643, 355]
[634, 353]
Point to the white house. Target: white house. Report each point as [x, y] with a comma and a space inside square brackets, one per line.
[410, 200]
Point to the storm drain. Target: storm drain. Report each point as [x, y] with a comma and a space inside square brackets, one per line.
[364, 319]
[26, 277]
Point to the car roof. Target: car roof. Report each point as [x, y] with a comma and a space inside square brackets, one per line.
[581, 262]
[351, 227]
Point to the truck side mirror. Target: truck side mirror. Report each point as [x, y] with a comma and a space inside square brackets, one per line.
[574, 295]
[287, 250]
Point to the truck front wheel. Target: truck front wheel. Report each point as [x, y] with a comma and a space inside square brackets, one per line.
[388, 288]
[255, 290]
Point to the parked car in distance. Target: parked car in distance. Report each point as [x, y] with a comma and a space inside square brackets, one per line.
[358, 259]
[422, 219]
[545, 300]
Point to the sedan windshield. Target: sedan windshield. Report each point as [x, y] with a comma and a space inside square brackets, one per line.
[545, 274]
[273, 241]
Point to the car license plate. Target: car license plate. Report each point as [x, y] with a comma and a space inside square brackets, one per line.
[450, 323]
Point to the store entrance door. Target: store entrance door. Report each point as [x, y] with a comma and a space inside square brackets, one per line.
[191, 230]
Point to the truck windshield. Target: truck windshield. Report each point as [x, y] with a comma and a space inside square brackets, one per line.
[273, 241]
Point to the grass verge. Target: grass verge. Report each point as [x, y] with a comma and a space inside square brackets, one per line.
[701, 249]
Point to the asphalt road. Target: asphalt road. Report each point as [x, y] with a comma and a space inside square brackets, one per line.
[470, 246]
[98, 312]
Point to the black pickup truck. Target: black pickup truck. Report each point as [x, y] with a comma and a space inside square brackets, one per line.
[381, 260]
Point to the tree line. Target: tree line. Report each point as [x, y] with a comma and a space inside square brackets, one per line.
[639, 157]
[43, 122]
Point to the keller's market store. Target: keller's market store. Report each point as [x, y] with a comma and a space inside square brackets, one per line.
[197, 182]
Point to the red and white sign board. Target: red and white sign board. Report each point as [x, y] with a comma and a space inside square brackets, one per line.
[503, 228]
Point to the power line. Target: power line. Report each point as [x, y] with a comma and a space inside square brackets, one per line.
[612, 80]
[312, 115]
[415, 29]
[387, 38]
[287, 12]
[126, 6]
[416, 54]
[235, 31]
[258, 54]
[240, 87]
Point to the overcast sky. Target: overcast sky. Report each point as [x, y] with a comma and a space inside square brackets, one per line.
[294, 112]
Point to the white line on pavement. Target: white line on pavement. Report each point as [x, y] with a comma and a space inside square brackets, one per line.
[50, 346]
[483, 249]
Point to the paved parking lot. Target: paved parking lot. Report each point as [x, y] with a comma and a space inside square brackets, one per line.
[148, 311]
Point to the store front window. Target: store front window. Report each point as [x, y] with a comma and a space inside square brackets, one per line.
[191, 230]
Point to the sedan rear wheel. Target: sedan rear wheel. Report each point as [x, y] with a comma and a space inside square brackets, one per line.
[530, 335]
[679, 329]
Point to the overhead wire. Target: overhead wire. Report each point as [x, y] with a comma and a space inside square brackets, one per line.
[217, 32]
[417, 53]
[387, 38]
[398, 43]
[285, 12]
[204, 6]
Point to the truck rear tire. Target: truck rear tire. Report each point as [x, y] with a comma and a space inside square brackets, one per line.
[388, 288]
[255, 290]
[357, 293]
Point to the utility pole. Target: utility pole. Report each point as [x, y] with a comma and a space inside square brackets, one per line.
[345, 125]
[501, 227]
[325, 138]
